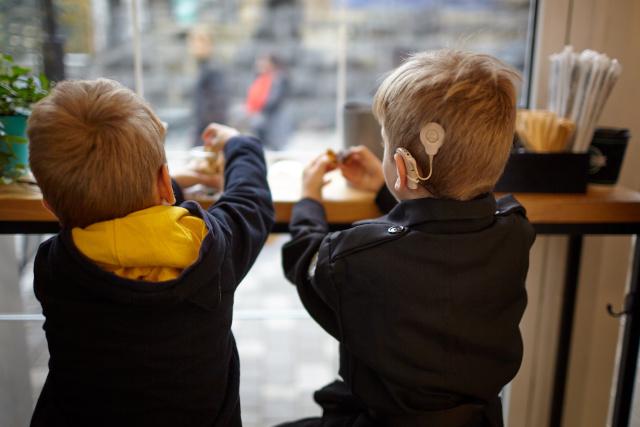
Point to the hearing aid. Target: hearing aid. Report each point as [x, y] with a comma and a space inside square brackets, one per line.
[412, 170]
[431, 138]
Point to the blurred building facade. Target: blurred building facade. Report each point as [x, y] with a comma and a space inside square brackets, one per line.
[303, 33]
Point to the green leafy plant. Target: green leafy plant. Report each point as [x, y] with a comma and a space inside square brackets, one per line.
[9, 174]
[19, 89]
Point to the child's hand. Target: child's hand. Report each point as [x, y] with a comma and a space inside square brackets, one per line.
[362, 169]
[313, 177]
[215, 136]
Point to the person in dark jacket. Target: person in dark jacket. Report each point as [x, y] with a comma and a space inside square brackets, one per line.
[425, 300]
[137, 292]
[210, 93]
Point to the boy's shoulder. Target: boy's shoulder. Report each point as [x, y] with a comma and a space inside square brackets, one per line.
[364, 235]
[507, 205]
[371, 233]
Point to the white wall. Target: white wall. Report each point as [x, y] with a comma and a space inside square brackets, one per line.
[612, 27]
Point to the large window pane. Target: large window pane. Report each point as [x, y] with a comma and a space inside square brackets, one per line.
[200, 60]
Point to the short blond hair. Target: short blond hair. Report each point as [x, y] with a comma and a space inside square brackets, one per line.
[95, 149]
[473, 97]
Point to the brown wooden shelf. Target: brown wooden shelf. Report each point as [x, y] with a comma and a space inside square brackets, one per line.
[601, 204]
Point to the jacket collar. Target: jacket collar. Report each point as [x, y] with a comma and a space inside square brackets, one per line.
[418, 211]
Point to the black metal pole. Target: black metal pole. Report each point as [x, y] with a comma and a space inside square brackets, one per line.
[566, 329]
[53, 44]
[630, 343]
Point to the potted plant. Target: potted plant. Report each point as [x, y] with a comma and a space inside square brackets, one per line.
[19, 89]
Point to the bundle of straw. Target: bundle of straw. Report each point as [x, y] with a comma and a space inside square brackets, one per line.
[579, 85]
[543, 131]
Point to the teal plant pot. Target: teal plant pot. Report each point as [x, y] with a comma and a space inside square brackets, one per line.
[15, 143]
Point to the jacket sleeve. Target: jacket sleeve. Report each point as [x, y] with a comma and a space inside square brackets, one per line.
[385, 200]
[306, 263]
[245, 210]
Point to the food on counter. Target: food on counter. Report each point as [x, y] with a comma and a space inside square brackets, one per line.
[208, 161]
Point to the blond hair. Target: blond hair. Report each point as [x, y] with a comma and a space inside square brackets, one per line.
[95, 149]
[473, 97]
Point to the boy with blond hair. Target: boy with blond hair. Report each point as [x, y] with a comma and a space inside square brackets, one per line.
[426, 300]
[138, 293]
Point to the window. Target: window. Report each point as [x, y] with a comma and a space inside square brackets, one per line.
[199, 62]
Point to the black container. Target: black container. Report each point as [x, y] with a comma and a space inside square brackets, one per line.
[606, 154]
[545, 173]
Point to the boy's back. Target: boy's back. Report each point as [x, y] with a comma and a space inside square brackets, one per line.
[425, 302]
[161, 353]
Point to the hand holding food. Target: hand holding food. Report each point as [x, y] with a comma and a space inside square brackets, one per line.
[215, 136]
[337, 158]
[361, 168]
[313, 177]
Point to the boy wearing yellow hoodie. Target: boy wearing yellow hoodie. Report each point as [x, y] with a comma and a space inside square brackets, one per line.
[137, 292]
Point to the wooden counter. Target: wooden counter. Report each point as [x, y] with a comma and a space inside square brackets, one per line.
[601, 204]
[602, 210]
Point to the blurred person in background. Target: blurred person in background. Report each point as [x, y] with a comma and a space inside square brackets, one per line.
[266, 103]
[211, 96]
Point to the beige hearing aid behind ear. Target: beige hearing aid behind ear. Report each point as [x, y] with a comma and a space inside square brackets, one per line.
[432, 138]
[412, 170]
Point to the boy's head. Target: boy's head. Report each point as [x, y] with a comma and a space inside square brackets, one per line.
[96, 150]
[472, 96]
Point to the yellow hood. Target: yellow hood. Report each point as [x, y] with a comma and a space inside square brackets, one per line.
[153, 244]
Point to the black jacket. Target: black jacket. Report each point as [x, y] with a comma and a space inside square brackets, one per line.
[129, 353]
[425, 302]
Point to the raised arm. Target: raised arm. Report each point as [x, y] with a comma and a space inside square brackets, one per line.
[305, 257]
[245, 210]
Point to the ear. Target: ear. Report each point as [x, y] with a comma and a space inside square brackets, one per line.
[165, 190]
[401, 172]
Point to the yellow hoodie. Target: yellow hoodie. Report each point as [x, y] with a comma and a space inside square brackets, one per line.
[153, 244]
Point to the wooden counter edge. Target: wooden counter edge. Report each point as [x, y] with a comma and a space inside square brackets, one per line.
[614, 205]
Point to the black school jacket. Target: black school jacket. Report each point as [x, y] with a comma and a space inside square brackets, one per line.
[130, 353]
[425, 302]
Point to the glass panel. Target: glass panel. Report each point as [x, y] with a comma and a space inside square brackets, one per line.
[23, 368]
[285, 356]
[383, 32]
[202, 57]
[21, 31]
[200, 61]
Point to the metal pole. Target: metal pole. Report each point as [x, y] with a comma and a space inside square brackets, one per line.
[341, 78]
[566, 329]
[53, 44]
[630, 343]
[137, 51]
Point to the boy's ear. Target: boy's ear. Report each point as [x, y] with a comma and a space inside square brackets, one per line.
[401, 172]
[165, 190]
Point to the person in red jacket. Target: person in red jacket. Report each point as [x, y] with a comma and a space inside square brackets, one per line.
[266, 103]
